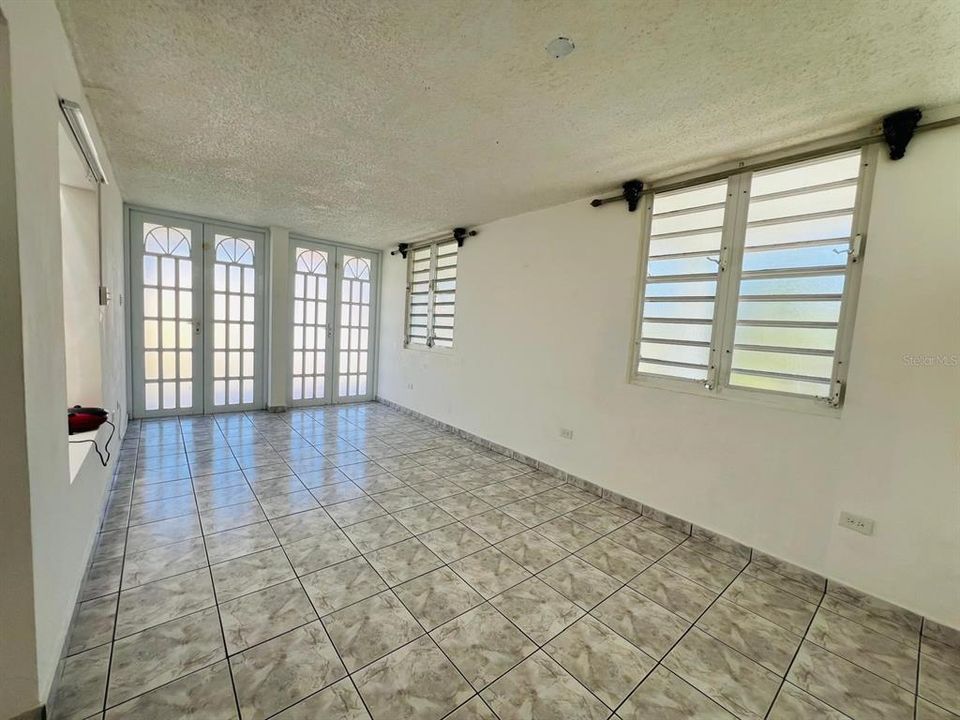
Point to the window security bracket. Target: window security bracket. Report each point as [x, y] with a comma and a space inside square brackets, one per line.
[898, 130]
[460, 234]
[632, 190]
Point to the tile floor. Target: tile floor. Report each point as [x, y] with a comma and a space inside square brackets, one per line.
[352, 562]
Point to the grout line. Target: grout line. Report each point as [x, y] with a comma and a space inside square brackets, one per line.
[213, 586]
[916, 687]
[116, 612]
[390, 589]
[679, 639]
[310, 600]
[796, 652]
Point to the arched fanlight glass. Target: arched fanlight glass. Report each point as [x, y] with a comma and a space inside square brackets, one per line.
[235, 250]
[164, 240]
[357, 269]
[312, 261]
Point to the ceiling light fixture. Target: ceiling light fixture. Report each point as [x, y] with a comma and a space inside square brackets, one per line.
[560, 47]
[78, 126]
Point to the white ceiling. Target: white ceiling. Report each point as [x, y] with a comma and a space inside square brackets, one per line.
[372, 122]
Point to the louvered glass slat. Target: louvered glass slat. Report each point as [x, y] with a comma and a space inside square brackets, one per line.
[794, 337]
[653, 308]
[693, 372]
[677, 331]
[799, 225]
[706, 289]
[682, 275]
[819, 285]
[693, 243]
[795, 386]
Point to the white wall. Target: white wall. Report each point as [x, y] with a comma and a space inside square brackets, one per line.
[64, 516]
[18, 667]
[81, 310]
[544, 317]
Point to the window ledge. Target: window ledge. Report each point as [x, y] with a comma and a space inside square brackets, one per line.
[430, 350]
[78, 451]
[789, 403]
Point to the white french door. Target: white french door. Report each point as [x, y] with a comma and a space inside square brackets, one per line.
[356, 325]
[234, 310]
[333, 316]
[197, 315]
[312, 267]
[167, 306]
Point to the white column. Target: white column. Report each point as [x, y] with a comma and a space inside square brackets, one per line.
[278, 328]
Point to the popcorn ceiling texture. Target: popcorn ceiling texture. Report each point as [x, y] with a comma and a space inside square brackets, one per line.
[371, 122]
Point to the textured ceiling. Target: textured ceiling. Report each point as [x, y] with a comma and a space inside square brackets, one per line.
[371, 122]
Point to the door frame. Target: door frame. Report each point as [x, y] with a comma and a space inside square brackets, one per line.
[263, 295]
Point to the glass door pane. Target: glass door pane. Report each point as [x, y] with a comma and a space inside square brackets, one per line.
[312, 322]
[234, 262]
[355, 324]
[167, 333]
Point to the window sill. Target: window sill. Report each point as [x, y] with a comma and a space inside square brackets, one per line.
[803, 405]
[79, 451]
[430, 350]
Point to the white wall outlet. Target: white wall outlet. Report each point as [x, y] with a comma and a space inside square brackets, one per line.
[858, 523]
[409, 386]
[566, 433]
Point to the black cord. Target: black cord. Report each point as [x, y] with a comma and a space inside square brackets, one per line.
[106, 445]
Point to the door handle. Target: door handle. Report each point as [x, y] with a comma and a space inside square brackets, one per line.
[197, 327]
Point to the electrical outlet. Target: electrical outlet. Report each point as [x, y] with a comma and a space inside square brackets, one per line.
[566, 433]
[409, 386]
[857, 523]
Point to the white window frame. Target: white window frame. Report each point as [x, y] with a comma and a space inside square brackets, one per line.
[728, 283]
[431, 303]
